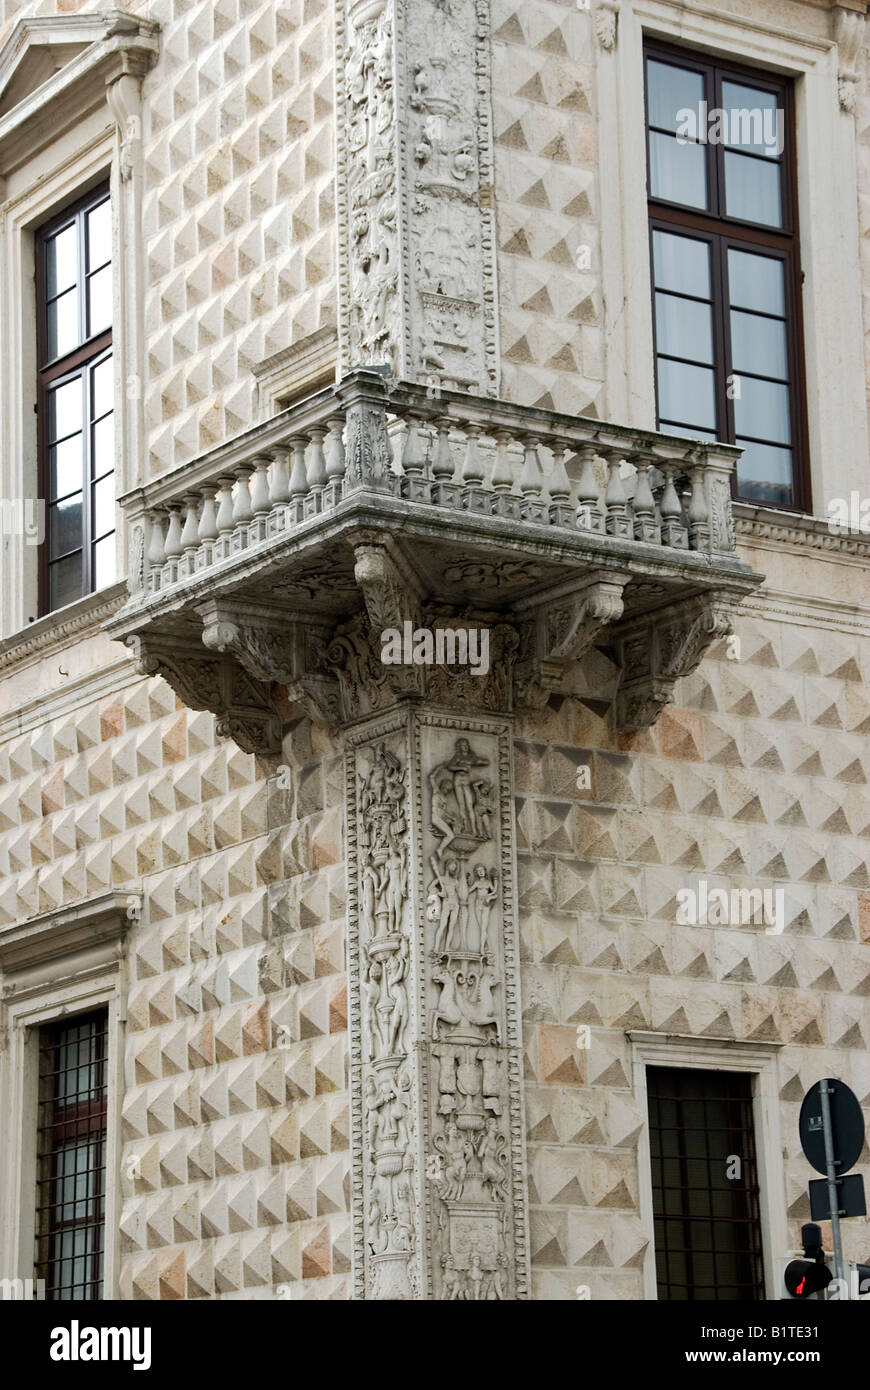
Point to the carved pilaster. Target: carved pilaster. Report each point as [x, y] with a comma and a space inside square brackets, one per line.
[654, 651]
[437, 1128]
[415, 177]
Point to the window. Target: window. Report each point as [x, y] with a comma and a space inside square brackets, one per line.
[76, 401]
[725, 267]
[707, 1229]
[71, 1157]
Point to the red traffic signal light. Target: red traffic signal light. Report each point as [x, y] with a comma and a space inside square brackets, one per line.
[803, 1277]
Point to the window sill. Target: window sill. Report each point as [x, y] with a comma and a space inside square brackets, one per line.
[754, 522]
[57, 630]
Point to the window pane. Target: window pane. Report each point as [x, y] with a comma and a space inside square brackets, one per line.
[65, 409]
[687, 431]
[100, 235]
[101, 387]
[677, 172]
[681, 263]
[65, 525]
[684, 328]
[761, 409]
[105, 572]
[62, 325]
[755, 122]
[756, 282]
[752, 189]
[61, 262]
[686, 394]
[65, 582]
[765, 473]
[758, 345]
[103, 446]
[104, 505]
[672, 90]
[100, 301]
[65, 466]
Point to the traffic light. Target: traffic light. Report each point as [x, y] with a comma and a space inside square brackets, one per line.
[811, 1275]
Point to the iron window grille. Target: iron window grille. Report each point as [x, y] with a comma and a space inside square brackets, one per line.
[707, 1229]
[71, 1157]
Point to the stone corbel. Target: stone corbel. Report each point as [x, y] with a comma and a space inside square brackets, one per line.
[124, 96]
[275, 646]
[565, 626]
[606, 19]
[655, 650]
[212, 681]
[389, 586]
[848, 29]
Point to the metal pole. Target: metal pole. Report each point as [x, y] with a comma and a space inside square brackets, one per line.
[833, 1194]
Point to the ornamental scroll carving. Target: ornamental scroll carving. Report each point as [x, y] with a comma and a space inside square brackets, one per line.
[435, 1014]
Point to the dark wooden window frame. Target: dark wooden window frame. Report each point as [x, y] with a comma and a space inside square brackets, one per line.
[723, 232]
[52, 373]
[84, 1120]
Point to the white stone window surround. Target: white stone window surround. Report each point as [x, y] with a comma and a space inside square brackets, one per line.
[53, 967]
[651, 1049]
[70, 133]
[827, 177]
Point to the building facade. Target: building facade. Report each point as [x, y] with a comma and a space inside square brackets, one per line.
[434, 642]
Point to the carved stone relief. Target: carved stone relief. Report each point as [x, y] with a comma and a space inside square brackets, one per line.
[435, 1041]
[417, 232]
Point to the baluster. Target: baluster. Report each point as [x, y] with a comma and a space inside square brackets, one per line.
[316, 470]
[618, 520]
[298, 478]
[673, 530]
[699, 520]
[207, 527]
[445, 493]
[242, 511]
[173, 543]
[335, 464]
[504, 501]
[561, 510]
[223, 546]
[189, 536]
[260, 504]
[533, 506]
[475, 497]
[643, 502]
[279, 489]
[416, 487]
[590, 516]
[156, 549]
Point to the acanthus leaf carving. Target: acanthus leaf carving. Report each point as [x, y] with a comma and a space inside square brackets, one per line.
[655, 651]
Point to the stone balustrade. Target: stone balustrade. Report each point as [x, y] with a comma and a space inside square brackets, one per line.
[469, 456]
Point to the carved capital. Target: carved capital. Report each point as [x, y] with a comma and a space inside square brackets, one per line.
[656, 650]
[214, 682]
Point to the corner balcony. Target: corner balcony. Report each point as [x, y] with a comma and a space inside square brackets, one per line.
[264, 572]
